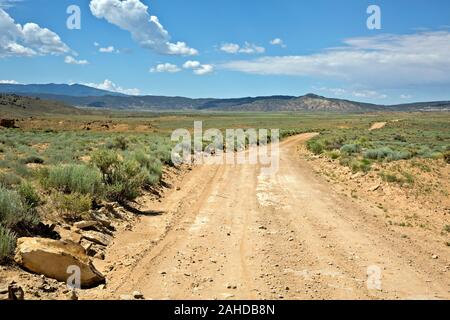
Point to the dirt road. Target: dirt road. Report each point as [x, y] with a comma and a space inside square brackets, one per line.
[231, 232]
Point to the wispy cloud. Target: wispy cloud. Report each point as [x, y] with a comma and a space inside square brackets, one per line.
[356, 93]
[145, 29]
[378, 61]
[248, 48]
[165, 67]
[72, 60]
[109, 49]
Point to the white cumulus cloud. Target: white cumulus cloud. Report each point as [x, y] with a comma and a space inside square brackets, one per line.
[111, 86]
[108, 49]
[198, 68]
[146, 30]
[383, 61]
[28, 40]
[165, 67]
[230, 47]
[249, 48]
[72, 60]
[277, 42]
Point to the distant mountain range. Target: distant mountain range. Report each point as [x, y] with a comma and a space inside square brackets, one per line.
[74, 90]
[88, 97]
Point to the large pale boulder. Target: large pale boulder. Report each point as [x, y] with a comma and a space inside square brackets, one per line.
[52, 258]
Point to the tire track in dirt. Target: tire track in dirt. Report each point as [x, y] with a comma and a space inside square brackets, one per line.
[235, 233]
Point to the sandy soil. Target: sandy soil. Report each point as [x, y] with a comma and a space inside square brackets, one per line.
[377, 126]
[231, 232]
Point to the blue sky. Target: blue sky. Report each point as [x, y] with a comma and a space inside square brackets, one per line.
[233, 48]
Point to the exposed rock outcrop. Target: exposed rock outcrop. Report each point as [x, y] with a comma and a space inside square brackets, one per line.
[52, 258]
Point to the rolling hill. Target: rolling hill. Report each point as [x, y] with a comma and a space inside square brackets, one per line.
[12, 105]
[87, 97]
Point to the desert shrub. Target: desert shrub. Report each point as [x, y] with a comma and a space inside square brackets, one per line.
[32, 159]
[409, 178]
[363, 165]
[335, 154]
[350, 149]
[13, 210]
[125, 181]
[163, 152]
[28, 194]
[20, 169]
[333, 144]
[447, 228]
[315, 146]
[74, 178]
[392, 177]
[123, 178]
[377, 154]
[398, 155]
[106, 161]
[119, 142]
[387, 153]
[345, 161]
[151, 164]
[7, 243]
[9, 179]
[72, 206]
[400, 138]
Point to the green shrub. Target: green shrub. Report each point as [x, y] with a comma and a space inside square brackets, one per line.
[315, 146]
[363, 165]
[378, 154]
[75, 178]
[72, 206]
[7, 243]
[123, 179]
[21, 169]
[9, 179]
[391, 177]
[399, 155]
[350, 149]
[28, 194]
[151, 164]
[106, 161]
[335, 154]
[119, 142]
[13, 210]
[126, 181]
[387, 153]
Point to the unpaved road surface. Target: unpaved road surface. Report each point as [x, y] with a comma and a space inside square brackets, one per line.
[231, 232]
